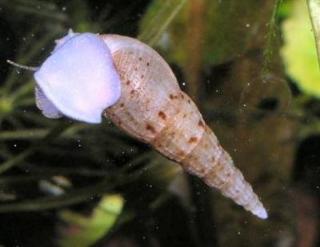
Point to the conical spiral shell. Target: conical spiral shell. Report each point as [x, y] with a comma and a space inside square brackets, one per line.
[153, 109]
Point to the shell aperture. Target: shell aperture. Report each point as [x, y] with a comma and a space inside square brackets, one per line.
[78, 79]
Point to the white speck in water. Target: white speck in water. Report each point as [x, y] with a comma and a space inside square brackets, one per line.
[79, 143]
[64, 8]
[248, 84]
[248, 25]
[244, 105]
[15, 145]
[184, 83]
[165, 40]
[239, 233]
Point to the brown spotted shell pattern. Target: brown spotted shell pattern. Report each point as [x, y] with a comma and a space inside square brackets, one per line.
[153, 109]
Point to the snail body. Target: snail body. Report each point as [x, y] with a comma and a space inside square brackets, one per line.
[151, 106]
[78, 80]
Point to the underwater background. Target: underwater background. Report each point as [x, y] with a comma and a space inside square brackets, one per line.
[252, 68]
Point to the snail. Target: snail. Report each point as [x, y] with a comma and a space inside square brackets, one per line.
[90, 75]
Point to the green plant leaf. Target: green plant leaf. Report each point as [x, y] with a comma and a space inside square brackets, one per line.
[157, 19]
[314, 9]
[85, 231]
[299, 52]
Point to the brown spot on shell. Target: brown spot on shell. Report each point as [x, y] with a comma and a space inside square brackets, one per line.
[148, 64]
[173, 96]
[142, 76]
[128, 82]
[189, 101]
[140, 58]
[121, 105]
[201, 124]
[181, 153]
[150, 128]
[132, 91]
[162, 115]
[193, 139]
[228, 174]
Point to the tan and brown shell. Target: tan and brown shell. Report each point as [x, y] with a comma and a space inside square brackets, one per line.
[153, 109]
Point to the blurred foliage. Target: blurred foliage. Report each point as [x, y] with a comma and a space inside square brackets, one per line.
[299, 52]
[226, 54]
[314, 12]
[85, 231]
[157, 18]
[241, 19]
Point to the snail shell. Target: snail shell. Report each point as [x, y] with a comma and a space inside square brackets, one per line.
[153, 109]
[140, 93]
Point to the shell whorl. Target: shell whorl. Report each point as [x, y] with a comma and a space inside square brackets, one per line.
[153, 109]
